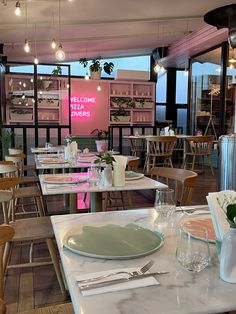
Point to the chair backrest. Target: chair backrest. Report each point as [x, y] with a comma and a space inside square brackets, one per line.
[6, 197]
[161, 145]
[15, 151]
[183, 181]
[133, 164]
[199, 145]
[137, 145]
[6, 234]
[3, 309]
[8, 170]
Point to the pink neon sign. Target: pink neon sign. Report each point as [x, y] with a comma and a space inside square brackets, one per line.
[81, 106]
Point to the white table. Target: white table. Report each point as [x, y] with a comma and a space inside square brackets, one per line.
[96, 191]
[41, 150]
[179, 292]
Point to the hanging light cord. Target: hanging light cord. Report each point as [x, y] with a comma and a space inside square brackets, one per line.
[35, 45]
[59, 12]
[26, 19]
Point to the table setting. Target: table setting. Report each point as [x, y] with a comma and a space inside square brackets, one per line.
[170, 281]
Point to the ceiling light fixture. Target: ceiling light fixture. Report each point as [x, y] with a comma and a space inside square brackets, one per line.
[17, 9]
[232, 60]
[60, 54]
[224, 17]
[53, 44]
[99, 87]
[26, 46]
[36, 60]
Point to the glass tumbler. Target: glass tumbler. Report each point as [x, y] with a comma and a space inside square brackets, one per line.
[193, 251]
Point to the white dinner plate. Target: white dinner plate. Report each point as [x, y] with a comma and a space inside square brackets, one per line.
[131, 175]
[58, 179]
[87, 159]
[112, 241]
[52, 161]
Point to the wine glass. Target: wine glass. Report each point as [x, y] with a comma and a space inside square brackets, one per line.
[164, 207]
[193, 251]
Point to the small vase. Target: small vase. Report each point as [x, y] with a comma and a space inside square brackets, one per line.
[107, 176]
[228, 257]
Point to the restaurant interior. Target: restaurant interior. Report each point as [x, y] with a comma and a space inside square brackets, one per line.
[118, 157]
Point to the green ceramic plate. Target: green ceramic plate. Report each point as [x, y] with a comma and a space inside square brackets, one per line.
[131, 175]
[113, 241]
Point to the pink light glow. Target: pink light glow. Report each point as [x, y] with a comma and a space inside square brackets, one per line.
[80, 107]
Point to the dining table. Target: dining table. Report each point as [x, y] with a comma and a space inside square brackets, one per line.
[75, 183]
[47, 150]
[179, 291]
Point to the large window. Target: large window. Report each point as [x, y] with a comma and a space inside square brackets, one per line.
[205, 89]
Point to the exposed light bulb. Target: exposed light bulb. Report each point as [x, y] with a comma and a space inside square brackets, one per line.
[157, 67]
[186, 72]
[41, 78]
[20, 83]
[27, 46]
[23, 96]
[99, 87]
[162, 69]
[24, 85]
[68, 85]
[40, 92]
[86, 76]
[17, 9]
[36, 60]
[31, 80]
[231, 66]
[53, 44]
[60, 54]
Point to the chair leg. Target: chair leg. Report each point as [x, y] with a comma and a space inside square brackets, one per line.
[193, 163]
[209, 163]
[53, 254]
[129, 199]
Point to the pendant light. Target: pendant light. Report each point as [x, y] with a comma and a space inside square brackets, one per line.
[26, 46]
[53, 42]
[17, 8]
[99, 87]
[36, 60]
[86, 75]
[60, 54]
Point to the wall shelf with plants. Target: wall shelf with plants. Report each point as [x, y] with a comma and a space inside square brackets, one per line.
[51, 89]
[134, 102]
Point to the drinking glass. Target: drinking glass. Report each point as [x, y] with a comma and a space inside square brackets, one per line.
[94, 176]
[165, 203]
[193, 251]
[165, 207]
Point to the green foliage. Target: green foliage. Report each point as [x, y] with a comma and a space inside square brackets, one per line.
[96, 65]
[57, 71]
[101, 134]
[231, 215]
[106, 158]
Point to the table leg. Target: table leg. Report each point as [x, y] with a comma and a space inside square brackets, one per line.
[96, 202]
[73, 203]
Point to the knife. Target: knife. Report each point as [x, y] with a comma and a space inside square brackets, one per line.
[89, 286]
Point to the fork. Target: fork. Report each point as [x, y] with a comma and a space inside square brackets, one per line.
[141, 271]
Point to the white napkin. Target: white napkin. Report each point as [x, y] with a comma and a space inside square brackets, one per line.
[218, 202]
[143, 282]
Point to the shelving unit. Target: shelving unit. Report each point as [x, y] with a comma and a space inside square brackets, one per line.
[132, 103]
[20, 99]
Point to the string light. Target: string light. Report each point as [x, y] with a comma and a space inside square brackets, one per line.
[17, 9]
[36, 60]
[86, 76]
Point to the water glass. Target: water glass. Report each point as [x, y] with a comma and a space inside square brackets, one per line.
[165, 203]
[193, 251]
[94, 176]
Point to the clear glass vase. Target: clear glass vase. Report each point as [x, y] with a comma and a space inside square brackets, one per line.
[228, 257]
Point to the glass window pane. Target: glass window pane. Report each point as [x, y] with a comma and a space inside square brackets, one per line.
[160, 113]
[161, 87]
[181, 87]
[182, 119]
[205, 90]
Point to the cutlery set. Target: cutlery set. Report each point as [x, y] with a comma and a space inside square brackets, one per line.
[102, 281]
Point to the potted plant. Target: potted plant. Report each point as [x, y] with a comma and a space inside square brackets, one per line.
[108, 159]
[5, 138]
[21, 114]
[96, 67]
[120, 115]
[102, 139]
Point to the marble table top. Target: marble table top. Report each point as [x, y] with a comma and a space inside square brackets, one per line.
[54, 189]
[179, 292]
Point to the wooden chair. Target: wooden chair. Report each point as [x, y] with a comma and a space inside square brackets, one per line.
[65, 308]
[19, 151]
[7, 234]
[199, 147]
[159, 151]
[183, 181]
[31, 231]
[22, 195]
